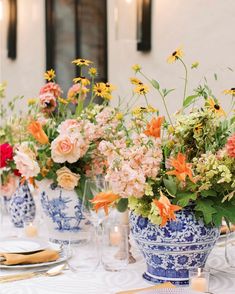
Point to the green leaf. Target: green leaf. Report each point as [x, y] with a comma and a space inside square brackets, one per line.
[79, 107]
[185, 197]
[122, 204]
[206, 193]
[170, 186]
[155, 84]
[205, 206]
[188, 100]
[166, 92]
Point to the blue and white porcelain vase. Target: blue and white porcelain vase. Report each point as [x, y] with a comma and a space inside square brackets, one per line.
[22, 206]
[62, 211]
[170, 251]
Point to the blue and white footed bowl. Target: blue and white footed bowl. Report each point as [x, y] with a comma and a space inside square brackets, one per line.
[22, 206]
[172, 250]
[62, 211]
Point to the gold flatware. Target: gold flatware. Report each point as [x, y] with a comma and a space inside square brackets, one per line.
[56, 270]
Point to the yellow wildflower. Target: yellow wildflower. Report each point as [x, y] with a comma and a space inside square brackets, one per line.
[31, 101]
[136, 81]
[82, 62]
[198, 128]
[151, 109]
[215, 107]
[49, 75]
[136, 67]
[84, 81]
[141, 89]
[229, 92]
[92, 71]
[171, 129]
[178, 53]
[100, 89]
[195, 64]
[62, 100]
[110, 87]
[119, 116]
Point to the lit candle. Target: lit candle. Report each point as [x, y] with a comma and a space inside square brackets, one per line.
[199, 283]
[31, 230]
[115, 236]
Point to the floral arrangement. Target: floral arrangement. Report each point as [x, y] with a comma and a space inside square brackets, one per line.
[163, 164]
[65, 130]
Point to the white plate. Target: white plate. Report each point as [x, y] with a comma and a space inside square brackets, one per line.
[22, 245]
[179, 290]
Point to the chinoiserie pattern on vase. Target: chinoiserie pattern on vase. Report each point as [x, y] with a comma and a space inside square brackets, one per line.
[63, 214]
[22, 206]
[172, 250]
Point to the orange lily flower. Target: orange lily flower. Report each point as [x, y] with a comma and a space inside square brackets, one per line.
[104, 200]
[154, 127]
[182, 168]
[36, 130]
[166, 209]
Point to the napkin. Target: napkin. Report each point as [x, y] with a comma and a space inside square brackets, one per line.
[38, 257]
[136, 291]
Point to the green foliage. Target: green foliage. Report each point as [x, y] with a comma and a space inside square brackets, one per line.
[206, 208]
[184, 198]
[122, 204]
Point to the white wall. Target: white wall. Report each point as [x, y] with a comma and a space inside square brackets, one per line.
[205, 28]
[24, 75]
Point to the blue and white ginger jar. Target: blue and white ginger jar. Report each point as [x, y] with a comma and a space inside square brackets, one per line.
[172, 250]
[22, 206]
[62, 211]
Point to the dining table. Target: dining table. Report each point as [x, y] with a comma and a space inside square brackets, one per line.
[100, 281]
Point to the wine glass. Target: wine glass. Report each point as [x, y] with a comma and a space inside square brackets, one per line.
[230, 249]
[91, 189]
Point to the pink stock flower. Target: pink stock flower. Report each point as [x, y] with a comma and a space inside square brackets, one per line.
[230, 146]
[52, 88]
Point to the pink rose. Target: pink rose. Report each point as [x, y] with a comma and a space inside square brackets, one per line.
[69, 126]
[66, 148]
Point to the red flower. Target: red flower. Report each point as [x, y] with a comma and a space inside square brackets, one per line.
[6, 153]
[231, 146]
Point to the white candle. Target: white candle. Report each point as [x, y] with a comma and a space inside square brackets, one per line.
[199, 283]
[31, 230]
[125, 218]
[115, 236]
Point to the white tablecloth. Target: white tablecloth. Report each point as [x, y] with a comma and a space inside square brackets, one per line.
[103, 282]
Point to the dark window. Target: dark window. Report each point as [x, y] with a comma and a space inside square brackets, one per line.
[75, 29]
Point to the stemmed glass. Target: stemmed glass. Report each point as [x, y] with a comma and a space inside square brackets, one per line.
[91, 189]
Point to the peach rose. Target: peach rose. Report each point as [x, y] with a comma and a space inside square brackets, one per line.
[66, 148]
[67, 179]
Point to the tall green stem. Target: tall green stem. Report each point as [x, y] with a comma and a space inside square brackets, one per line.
[186, 78]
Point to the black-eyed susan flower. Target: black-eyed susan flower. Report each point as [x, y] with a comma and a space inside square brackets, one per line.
[198, 128]
[215, 107]
[84, 81]
[229, 92]
[49, 75]
[82, 62]
[178, 53]
[141, 89]
[195, 64]
[100, 90]
[151, 109]
[92, 71]
[136, 68]
[136, 81]
[110, 87]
